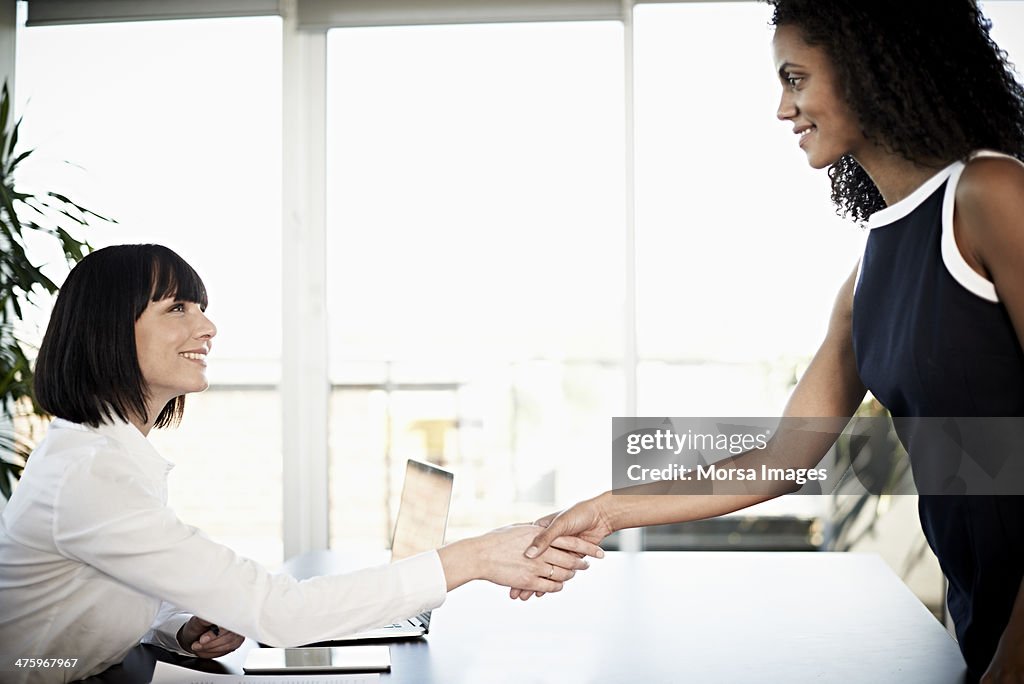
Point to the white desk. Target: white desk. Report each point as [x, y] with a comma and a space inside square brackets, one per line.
[687, 617]
[660, 617]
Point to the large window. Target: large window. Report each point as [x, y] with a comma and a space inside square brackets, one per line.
[475, 229]
[739, 251]
[477, 232]
[174, 129]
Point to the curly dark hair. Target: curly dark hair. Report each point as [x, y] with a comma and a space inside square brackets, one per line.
[923, 77]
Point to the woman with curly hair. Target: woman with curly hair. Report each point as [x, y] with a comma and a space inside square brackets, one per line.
[919, 118]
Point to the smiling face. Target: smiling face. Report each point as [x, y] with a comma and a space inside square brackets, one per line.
[172, 339]
[812, 100]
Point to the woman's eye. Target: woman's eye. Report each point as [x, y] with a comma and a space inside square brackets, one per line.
[178, 307]
[794, 81]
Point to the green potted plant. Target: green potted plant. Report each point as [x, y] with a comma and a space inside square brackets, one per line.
[36, 216]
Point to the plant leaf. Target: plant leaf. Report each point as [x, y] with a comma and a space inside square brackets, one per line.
[5, 106]
[46, 214]
[14, 139]
[18, 160]
[79, 207]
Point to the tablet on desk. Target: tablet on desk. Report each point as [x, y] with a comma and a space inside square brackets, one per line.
[333, 659]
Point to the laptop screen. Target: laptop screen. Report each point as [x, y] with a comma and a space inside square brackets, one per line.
[423, 510]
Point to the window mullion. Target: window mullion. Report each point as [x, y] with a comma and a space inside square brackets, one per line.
[305, 389]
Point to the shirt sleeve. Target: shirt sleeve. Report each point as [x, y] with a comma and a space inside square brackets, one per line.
[164, 632]
[115, 521]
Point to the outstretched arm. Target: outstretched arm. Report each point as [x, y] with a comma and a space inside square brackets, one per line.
[831, 387]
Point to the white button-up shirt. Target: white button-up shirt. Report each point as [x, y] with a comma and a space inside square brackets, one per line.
[92, 559]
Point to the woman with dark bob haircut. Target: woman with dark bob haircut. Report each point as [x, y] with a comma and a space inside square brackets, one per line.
[92, 560]
[919, 119]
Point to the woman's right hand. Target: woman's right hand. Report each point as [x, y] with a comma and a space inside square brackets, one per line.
[586, 521]
[498, 557]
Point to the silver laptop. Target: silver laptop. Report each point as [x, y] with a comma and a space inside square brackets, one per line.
[419, 526]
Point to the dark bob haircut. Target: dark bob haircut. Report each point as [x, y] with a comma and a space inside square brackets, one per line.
[88, 366]
[922, 76]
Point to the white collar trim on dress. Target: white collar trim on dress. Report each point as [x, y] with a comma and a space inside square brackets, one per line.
[893, 213]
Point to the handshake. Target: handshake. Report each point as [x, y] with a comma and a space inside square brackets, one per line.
[530, 559]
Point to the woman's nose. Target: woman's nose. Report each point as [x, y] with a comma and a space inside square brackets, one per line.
[787, 109]
[207, 328]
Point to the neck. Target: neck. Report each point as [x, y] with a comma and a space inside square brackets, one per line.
[144, 426]
[896, 177]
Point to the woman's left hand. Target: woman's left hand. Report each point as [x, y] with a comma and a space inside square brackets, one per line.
[207, 640]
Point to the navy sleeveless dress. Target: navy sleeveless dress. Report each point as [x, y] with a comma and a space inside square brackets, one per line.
[931, 339]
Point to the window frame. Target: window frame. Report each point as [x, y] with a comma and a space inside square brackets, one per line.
[305, 385]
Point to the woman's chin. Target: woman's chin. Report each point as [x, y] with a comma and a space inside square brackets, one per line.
[818, 162]
[198, 386]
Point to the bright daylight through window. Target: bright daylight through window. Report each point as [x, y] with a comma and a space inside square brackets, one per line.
[476, 228]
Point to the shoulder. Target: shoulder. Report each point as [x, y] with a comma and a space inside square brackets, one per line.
[78, 456]
[99, 480]
[990, 205]
[76, 442]
[990, 184]
[65, 446]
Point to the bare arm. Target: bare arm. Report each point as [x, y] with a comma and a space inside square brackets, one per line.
[831, 387]
[989, 231]
[988, 222]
